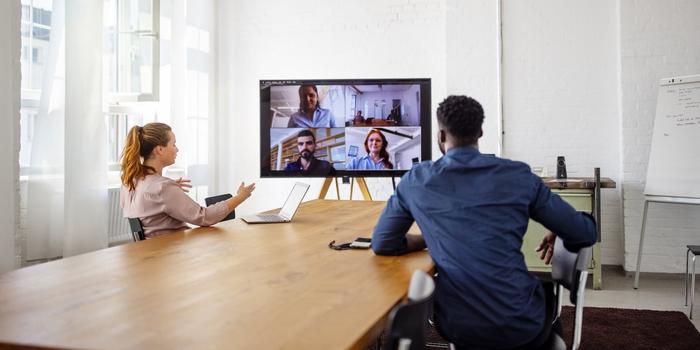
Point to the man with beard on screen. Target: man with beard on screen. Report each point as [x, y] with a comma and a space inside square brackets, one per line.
[306, 163]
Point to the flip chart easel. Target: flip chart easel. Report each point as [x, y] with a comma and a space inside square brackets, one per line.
[360, 183]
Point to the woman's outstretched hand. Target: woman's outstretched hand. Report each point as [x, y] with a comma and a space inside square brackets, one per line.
[245, 191]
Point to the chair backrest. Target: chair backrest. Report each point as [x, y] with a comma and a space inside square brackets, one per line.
[422, 286]
[408, 321]
[222, 197]
[570, 270]
[567, 267]
[136, 229]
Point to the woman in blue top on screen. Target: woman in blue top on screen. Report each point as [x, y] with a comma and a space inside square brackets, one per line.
[377, 157]
[310, 114]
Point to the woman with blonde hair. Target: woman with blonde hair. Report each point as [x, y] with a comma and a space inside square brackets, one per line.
[160, 202]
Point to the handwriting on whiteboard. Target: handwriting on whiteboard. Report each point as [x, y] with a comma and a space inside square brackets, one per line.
[687, 106]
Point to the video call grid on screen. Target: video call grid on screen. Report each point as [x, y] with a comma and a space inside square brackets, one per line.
[321, 128]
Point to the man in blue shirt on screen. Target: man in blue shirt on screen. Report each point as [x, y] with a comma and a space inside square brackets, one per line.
[473, 211]
[310, 114]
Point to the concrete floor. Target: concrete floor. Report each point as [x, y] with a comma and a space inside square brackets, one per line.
[656, 292]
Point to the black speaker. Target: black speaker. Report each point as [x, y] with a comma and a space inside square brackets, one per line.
[561, 168]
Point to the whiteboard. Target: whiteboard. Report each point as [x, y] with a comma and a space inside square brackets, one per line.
[674, 159]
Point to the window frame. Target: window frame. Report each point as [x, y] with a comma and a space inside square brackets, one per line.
[122, 106]
[30, 98]
[117, 98]
[118, 126]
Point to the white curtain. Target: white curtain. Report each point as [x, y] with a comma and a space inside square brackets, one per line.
[66, 196]
[186, 97]
[45, 200]
[66, 192]
[86, 132]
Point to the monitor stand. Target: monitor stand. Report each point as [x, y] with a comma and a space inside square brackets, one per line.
[360, 183]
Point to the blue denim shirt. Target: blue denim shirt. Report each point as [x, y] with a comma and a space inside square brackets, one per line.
[364, 163]
[473, 212]
[323, 118]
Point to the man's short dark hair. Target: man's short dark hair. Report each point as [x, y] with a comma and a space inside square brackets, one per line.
[307, 132]
[462, 117]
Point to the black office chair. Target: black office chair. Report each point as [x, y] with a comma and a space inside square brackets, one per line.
[408, 322]
[136, 229]
[222, 197]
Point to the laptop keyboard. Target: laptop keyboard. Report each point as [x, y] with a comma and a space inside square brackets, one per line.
[268, 217]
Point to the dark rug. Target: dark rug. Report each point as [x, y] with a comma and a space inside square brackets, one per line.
[608, 328]
[619, 329]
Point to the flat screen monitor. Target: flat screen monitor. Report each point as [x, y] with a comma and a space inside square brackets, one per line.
[354, 127]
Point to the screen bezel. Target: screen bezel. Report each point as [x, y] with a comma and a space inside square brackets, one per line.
[266, 123]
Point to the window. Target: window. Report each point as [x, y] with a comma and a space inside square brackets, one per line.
[41, 33]
[27, 120]
[119, 125]
[197, 93]
[131, 50]
[42, 16]
[35, 34]
[131, 68]
[185, 99]
[37, 56]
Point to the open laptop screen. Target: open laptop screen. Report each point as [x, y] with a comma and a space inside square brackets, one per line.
[293, 201]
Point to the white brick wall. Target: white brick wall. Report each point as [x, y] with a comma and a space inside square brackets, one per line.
[343, 39]
[657, 39]
[560, 95]
[473, 62]
[9, 133]
[579, 80]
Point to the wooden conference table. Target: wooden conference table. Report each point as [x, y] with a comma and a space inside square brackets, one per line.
[233, 286]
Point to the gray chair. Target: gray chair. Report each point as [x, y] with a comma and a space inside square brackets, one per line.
[136, 229]
[408, 321]
[690, 275]
[569, 271]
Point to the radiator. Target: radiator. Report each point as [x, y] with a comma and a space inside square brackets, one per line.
[118, 227]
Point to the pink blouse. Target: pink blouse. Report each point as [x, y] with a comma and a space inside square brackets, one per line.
[164, 207]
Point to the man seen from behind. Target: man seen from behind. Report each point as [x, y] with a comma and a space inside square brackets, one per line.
[473, 211]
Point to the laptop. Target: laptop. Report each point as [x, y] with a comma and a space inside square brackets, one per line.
[288, 209]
